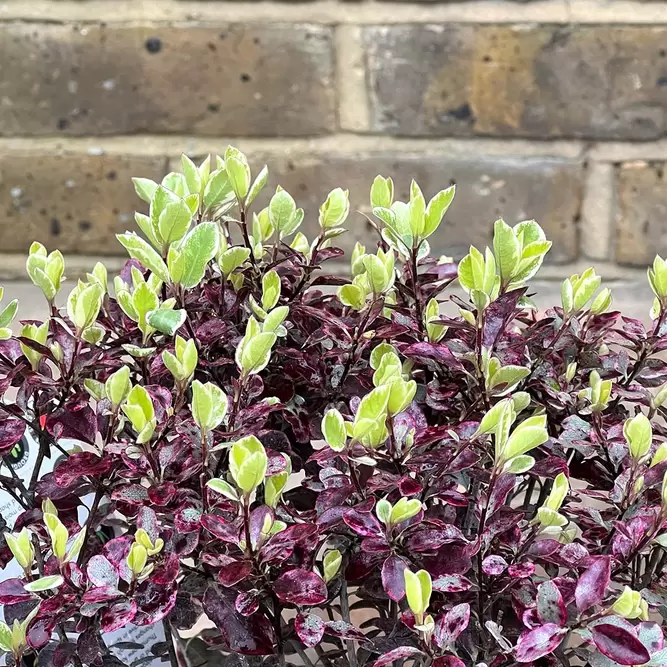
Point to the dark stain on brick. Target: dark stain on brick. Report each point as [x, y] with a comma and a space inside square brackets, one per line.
[63, 123]
[662, 81]
[112, 175]
[84, 225]
[464, 112]
[153, 45]
[55, 227]
[558, 39]
[245, 77]
[213, 107]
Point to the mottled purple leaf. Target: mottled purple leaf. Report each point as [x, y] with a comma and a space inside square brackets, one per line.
[216, 525]
[650, 634]
[502, 488]
[309, 628]
[362, 523]
[132, 494]
[397, 654]
[118, 615]
[494, 566]
[393, 577]
[39, 632]
[79, 465]
[101, 572]
[619, 644]
[343, 630]
[426, 352]
[248, 635]
[448, 661]
[433, 538]
[539, 642]
[521, 570]
[247, 602]
[234, 571]
[451, 583]
[550, 605]
[593, 583]
[12, 591]
[75, 420]
[300, 587]
[450, 625]
[11, 431]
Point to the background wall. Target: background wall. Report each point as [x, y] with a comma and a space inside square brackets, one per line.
[550, 110]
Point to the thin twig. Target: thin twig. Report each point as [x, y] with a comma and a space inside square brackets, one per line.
[168, 634]
[345, 613]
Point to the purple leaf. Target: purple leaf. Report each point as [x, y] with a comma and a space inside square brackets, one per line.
[310, 629]
[550, 605]
[362, 523]
[132, 494]
[494, 566]
[246, 603]
[343, 630]
[521, 570]
[234, 571]
[39, 632]
[432, 539]
[79, 465]
[396, 654]
[502, 488]
[426, 352]
[300, 587]
[101, 572]
[101, 594]
[12, 591]
[188, 519]
[117, 616]
[450, 625]
[216, 525]
[11, 431]
[393, 577]
[448, 661]
[593, 583]
[451, 583]
[257, 518]
[75, 420]
[619, 644]
[539, 642]
[248, 635]
[650, 634]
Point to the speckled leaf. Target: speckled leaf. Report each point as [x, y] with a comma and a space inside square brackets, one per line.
[539, 642]
[593, 583]
[393, 578]
[310, 628]
[619, 644]
[550, 605]
[300, 587]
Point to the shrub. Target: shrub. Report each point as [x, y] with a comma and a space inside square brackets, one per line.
[333, 472]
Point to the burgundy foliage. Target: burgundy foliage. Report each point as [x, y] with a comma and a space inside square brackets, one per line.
[505, 591]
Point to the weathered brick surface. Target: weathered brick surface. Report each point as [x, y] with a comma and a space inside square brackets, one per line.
[76, 203]
[548, 190]
[237, 79]
[531, 81]
[641, 226]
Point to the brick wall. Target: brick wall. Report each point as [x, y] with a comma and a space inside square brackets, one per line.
[551, 109]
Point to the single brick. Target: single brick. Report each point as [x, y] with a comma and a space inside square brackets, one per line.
[76, 203]
[235, 79]
[641, 225]
[602, 82]
[548, 190]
